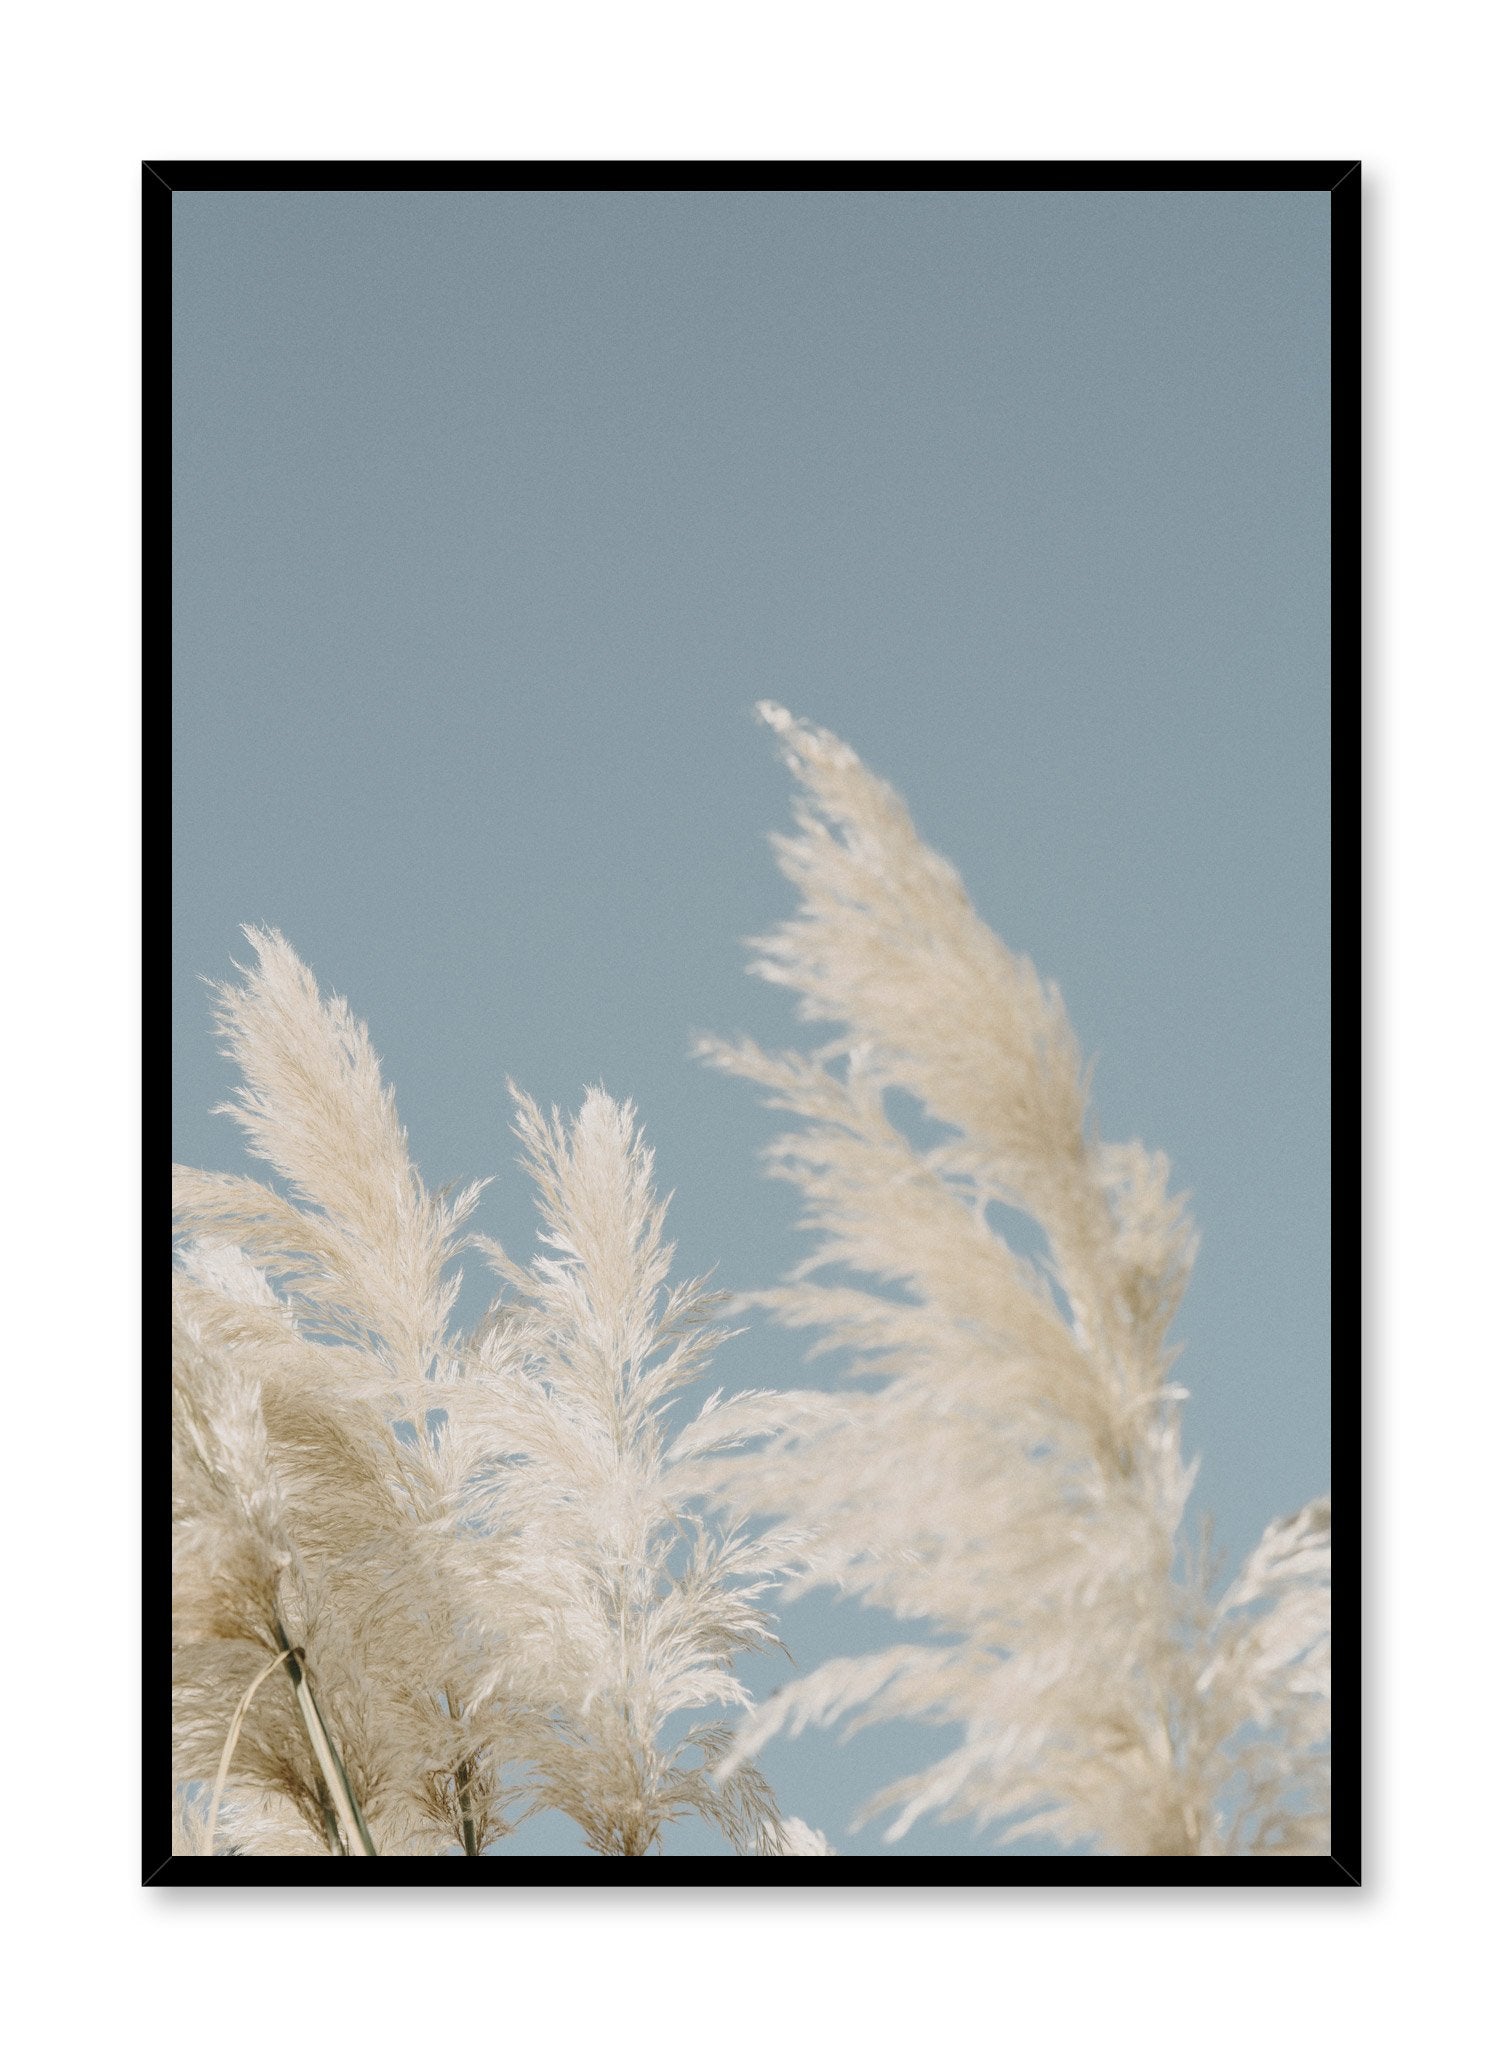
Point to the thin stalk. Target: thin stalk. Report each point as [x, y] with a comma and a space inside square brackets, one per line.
[463, 1771]
[352, 1819]
[466, 1816]
[356, 1836]
[229, 1747]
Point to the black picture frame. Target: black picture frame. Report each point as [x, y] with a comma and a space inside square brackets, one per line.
[161, 180]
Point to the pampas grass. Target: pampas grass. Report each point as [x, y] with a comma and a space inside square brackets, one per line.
[623, 1606]
[427, 1582]
[1009, 1480]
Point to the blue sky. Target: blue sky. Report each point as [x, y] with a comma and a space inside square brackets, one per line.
[495, 515]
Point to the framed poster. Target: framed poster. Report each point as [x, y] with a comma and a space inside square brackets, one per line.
[521, 538]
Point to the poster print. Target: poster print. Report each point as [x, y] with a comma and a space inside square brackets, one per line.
[945, 1494]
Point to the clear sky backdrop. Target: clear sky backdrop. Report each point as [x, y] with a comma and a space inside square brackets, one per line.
[494, 516]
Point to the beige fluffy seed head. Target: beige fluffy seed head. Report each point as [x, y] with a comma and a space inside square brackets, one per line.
[1014, 1483]
[497, 1569]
